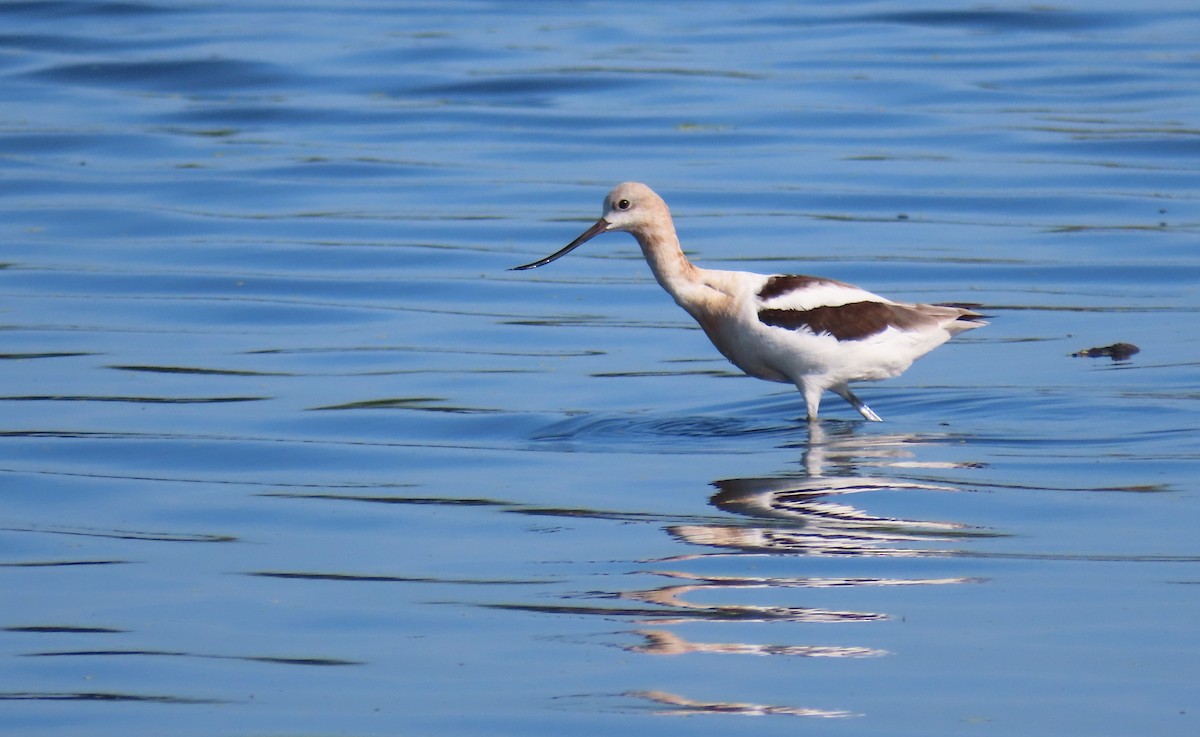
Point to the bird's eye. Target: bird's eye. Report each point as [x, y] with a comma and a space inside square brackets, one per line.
[623, 205]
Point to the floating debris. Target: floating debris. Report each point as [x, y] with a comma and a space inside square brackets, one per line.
[1116, 351]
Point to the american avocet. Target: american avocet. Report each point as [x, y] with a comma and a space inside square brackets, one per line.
[809, 331]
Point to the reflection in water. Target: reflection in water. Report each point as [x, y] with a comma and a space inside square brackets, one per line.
[804, 520]
[803, 513]
[664, 642]
[672, 596]
[680, 706]
[818, 583]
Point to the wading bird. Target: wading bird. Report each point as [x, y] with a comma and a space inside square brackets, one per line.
[813, 332]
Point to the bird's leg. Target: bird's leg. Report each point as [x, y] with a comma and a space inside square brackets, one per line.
[844, 392]
[812, 397]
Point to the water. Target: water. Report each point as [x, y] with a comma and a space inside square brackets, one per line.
[286, 450]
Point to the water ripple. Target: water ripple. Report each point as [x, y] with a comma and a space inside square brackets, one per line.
[223, 217]
[593, 432]
[208, 76]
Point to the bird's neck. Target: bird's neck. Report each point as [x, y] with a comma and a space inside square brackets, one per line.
[671, 268]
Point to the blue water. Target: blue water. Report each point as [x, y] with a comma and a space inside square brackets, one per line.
[286, 450]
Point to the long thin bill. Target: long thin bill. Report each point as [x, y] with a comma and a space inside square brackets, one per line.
[600, 227]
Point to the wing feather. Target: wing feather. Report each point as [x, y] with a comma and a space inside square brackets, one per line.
[846, 312]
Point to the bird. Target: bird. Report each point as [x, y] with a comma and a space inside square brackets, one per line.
[812, 332]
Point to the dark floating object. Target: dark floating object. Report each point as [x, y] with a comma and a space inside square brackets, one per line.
[1116, 351]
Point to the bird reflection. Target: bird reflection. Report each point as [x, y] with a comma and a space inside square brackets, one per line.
[821, 510]
[822, 525]
[808, 512]
[679, 705]
[665, 642]
[672, 598]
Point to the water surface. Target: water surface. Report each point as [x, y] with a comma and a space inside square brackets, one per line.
[285, 449]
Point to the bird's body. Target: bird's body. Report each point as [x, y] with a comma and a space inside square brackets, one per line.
[812, 332]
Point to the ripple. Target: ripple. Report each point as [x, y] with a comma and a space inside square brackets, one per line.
[60, 563]
[269, 659]
[527, 89]
[130, 400]
[379, 578]
[31, 356]
[127, 534]
[196, 371]
[65, 629]
[987, 19]
[658, 433]
[105, 696]
[168, 75]
[215, 204]
[418, 404]
[59, 43]
[58, 9]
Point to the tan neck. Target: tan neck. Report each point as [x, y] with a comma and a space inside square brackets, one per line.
[661, 248]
